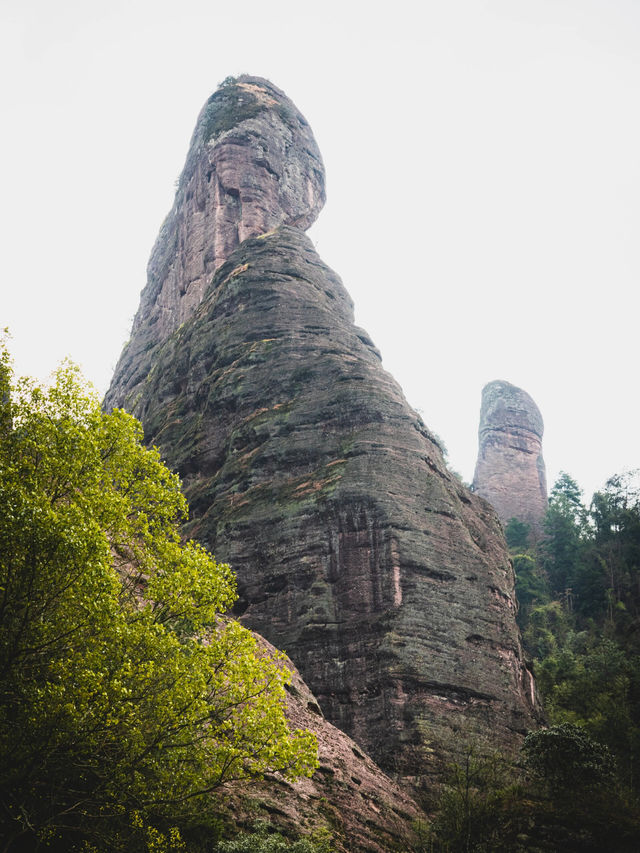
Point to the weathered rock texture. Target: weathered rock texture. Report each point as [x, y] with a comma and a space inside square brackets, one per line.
[253, 164]
[385, 580]
[365, 811]
[510, 470]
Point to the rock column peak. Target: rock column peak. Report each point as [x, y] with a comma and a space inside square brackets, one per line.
[253, 165]
[510, 470]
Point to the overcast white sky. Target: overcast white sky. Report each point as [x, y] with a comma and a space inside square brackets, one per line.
[483, 172]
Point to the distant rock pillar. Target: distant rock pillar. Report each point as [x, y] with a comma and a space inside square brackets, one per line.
[510, 470]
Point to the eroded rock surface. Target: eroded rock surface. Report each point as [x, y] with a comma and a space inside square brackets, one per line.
[356, 551]
[510, 471]
[364, 809]
[385, 580]
[253, 164]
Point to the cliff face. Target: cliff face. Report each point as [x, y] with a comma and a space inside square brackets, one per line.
[253, 164]
[510, 471]
[357, 552]
[367, 812]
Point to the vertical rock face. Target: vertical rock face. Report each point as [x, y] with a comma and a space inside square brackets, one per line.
[253, 164]
[367, 812]
[510, 470]
[357, 552]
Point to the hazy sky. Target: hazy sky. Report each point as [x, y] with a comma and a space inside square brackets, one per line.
[483, 178]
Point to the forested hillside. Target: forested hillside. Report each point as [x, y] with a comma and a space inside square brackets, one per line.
[579, 593]
[576, 787]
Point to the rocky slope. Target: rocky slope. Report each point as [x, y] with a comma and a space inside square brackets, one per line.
[385, 580]
[510, 470]
[365, 811]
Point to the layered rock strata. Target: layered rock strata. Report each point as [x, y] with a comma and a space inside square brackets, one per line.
[386, 581]
[253, 164]
[510, 470]
[365, 811]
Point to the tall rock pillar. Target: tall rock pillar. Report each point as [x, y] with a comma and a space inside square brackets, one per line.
[253, 165]
[510, 470]
[356, 550]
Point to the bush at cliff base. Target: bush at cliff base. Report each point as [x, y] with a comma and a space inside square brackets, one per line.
[125, 698]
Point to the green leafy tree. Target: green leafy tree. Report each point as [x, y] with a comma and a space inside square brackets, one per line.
[615, 513]
[563, 795]
[546, 630]
[126, 699]
[265, 840]
[589, 680]
[574, 801]
[532, 586]
[566, 759]
[565, 528]
[517, 534]
[472, 814]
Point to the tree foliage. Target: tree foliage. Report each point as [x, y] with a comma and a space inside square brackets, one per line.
[566, 759]
[580, 614]
[517, 534]
[264, 839]
[562, 795]
[564, 525]
[125, 697]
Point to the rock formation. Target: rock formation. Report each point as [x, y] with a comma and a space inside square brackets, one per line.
[253, 164]
[386, 581]
[510, 470]
[366, 811]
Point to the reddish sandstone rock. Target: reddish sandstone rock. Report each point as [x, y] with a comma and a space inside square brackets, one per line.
[510, 471]
[364, 809]
[356, 550]
[253, 164]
